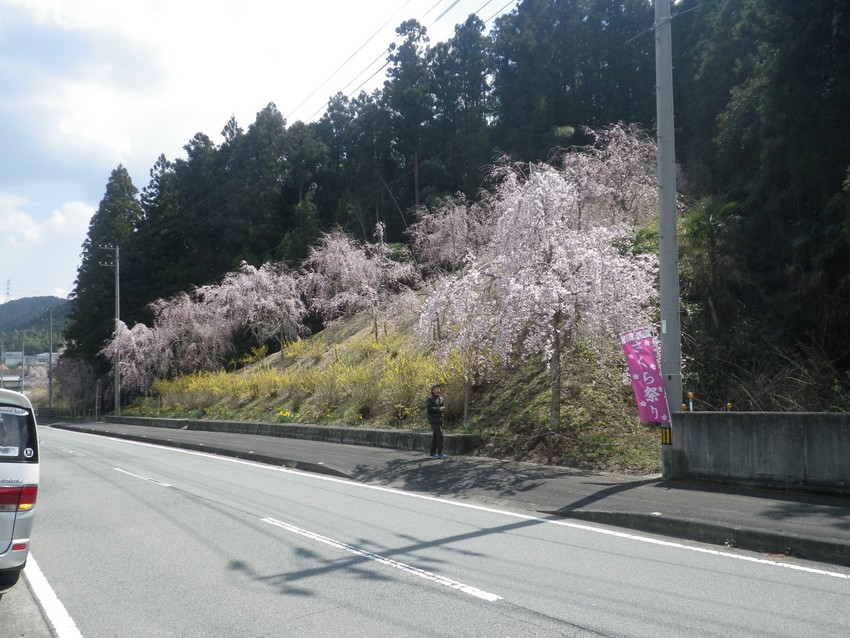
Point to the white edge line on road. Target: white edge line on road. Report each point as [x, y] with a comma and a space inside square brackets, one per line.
[58, 617]
[383, 560]
[482, 508]
[71, 452]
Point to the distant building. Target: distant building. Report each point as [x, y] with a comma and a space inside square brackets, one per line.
[8, 380]
[12, 359]
[11, 382]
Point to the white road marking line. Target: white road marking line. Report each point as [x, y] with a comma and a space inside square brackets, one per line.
[440, 580]
[58, 617]
[139, 476]
[71, 452]
[547, 521]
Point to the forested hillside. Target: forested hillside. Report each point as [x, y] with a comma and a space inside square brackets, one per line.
[27, 322]
[762, 89]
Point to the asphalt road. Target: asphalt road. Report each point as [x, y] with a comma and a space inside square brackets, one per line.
[138, 540]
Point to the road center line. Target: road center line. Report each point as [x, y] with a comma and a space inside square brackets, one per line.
[383, 560]
[57, 615]
[139, 476]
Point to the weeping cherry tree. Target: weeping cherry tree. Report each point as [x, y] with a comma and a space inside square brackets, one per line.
[196, 332]
[342, 276]
[557, 267]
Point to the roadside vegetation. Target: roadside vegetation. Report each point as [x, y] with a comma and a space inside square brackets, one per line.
[345, 376]
[527, 348]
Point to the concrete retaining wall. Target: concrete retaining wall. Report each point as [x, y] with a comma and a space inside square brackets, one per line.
[807, 450]
[398, 439]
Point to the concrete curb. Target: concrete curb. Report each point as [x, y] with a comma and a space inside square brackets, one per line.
[317, 468]
[454, 443]
[835, 552]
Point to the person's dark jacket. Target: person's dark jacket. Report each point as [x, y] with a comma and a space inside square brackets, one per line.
[432, 405]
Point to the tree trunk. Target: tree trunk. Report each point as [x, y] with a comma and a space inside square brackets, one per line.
[467, 384]
[555, 371]
[416, 177]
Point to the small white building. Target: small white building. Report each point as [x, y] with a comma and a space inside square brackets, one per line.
[12, 358]
[10, 381]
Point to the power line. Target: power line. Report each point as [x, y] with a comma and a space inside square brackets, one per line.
[178, 227]
[380, 55]
[397, 40]
[350, 57]
[451, 6]
[499, 12]
[189, 214]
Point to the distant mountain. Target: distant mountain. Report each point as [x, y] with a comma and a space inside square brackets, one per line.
[32, 312]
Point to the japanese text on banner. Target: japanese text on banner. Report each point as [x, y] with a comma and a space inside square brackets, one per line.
[647, 382]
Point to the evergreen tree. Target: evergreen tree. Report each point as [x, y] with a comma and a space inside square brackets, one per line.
[152, 257]
[335, 131]
[304, 157]
[783, 146]
[407, 93]
[259, 220]
[559, 66]
[93, 297]
[200, 192]
[461, 140]
[371, 169]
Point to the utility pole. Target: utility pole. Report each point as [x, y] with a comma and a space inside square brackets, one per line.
[23, 357]
[117, 266]
[671, 340]
[50, 368]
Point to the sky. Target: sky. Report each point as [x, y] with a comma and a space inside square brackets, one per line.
[88, 85]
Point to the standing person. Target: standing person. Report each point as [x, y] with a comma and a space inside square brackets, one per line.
[435, 406]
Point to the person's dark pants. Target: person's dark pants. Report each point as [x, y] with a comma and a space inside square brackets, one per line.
[436, 439]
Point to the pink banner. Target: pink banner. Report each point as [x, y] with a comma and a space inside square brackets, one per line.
[646, 376]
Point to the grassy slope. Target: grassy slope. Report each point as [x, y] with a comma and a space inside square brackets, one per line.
[344, 376]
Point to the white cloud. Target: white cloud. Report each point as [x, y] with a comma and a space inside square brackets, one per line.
[17, 224]
[20, 227]
[39, 256]
[71, 220]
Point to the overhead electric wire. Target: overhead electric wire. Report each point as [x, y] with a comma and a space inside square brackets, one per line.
[499, 12]
[388, 50]
[198, 206]
[165, 227]
[179, 227]
[451, 6]
[645, 31]
[359, 49]
[366, 69]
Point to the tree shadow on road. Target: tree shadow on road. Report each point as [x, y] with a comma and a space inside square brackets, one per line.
[458, 476]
